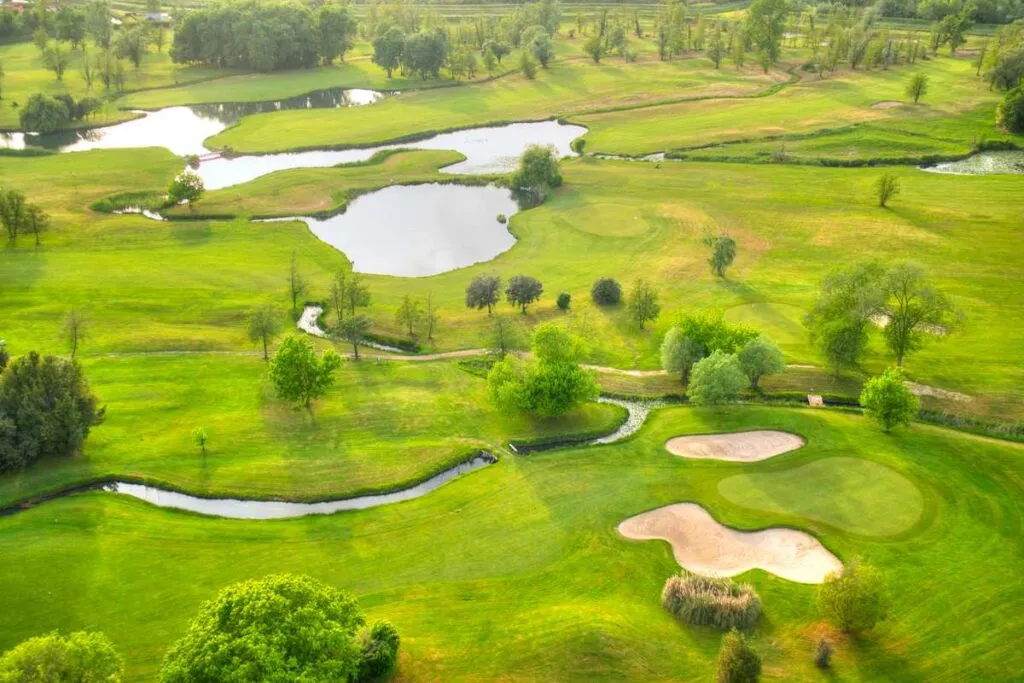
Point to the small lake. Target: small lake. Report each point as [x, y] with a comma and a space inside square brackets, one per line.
[983, 163]
[183, 129]
[418, 230]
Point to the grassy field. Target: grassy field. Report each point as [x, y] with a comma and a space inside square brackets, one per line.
[522, 560]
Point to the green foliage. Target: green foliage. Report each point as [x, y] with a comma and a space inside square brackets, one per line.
[1010, 113]
[737, 661]
[914, 310]
[46, 410]
[298, 374]
[551, 385]
[483, 292]
[263, 327]
[13, 212]
[854, 599]
[606, 292]
[707, 601]
[187, 186]
[679, 353]
[538, 172]
[563, 301]
[44, 114]
[388, 48]
[79, 657]
[278, 628]
[378, 650]
[917, 86]
[886, 187]
[523, 290]
[200, 438]
[888, 401]
[823, 654]
[766, 24]
[643, 303]
[840, 319]
[409, 313]
[353, 329]
[337, 30]
[425, 53]
[716, 379]
[542, 49]
[760, 357]
[723, 251]
[595, 48]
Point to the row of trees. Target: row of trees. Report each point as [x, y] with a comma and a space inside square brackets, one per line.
[279, 628]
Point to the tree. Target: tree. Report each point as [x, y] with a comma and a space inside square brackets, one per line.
[542, 49]
[606, 292]
[766, 24]
[13, 212]
[200, 438]
[278, 628]
[538, 171]
[643, 303]
[499, 50]
[87, 70]
[716, 379]
[490, 61]
[523, 290]
[723, 251]
[563, 301]
[5, 355]
[854, 599]
[44, 114]
[56, 59]
[408, 313]
[1010, 112]
[483, 292]
[888, 401]
[595, 48]
[504, 336]
[97, 23]
[679, 353]
[131, 44]
[917, 86]
[263, 327]
[338, 294]
[914, 310]
[36, 220]
[74, 330]
[337, 31]
[357, 294]
[841, 318]
[78, 657]
[296, 285]
[187, 186]
[430, 316]
[886, 187]
[737, 661]
[352, 329]
[760, 357]
[298, 374]
[716, 48]
[378, 650]
[46, 410]
[528, 66]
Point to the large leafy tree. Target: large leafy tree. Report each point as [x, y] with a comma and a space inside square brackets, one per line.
[841, 318]
[766, 23]
[337, 30]
[914, 310]
[483, 292]
[760, 357]
[538, 172]
[888, 400]
[298, 374]
[277, 629]
[716, 379]
[44, 114]
[46, 410]
[79, 657]
[523, 290]
[388, 49]
[643, 303]
[854, 599]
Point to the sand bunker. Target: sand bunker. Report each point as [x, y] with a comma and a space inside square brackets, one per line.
[702, 545]
[888, 104]
[737, 447]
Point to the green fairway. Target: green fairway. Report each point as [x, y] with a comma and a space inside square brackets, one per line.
[523, 559]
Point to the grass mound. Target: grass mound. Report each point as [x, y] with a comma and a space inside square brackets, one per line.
[709, 601]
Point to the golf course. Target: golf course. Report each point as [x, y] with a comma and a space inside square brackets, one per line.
[499, 344]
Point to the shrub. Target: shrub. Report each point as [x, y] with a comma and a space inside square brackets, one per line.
[606, 292]
[760, 357]
[707, 601]
[538, 172]
[378, 650]
[888, 401]
[716, 379]
[80, 656]
[823, 654]
[886, 187]
[1010, 113]
[502, 218]
[44, 114]
[853, 599]
[563, 301]
[186, 186]
[737, 661]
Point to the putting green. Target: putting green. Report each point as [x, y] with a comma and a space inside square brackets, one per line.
[855, 495]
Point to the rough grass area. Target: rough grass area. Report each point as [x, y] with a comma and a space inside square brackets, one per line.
[709, 601]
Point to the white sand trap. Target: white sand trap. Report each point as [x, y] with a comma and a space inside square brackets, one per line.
[888, 104]
[737, 447]
[702, 545]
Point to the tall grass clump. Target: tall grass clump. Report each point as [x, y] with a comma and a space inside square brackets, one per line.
[708, 601]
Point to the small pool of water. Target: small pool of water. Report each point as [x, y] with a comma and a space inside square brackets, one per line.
[182, 129]
[418, 230]
[983, 163]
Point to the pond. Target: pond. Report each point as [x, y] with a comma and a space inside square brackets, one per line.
[183, 129]
[983, 163]
[418, 230]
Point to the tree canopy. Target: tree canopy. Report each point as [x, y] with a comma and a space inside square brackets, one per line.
[538, 172]
[888, 401]
[298, 374]
[79, 657]
[716, 379]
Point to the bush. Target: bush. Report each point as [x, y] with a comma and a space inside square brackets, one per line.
[760, 357]
[563, 301]
[186, 186]
[1010, 113]
[46, 410]
[538, 172]
[606, 292]
[888, 401]
[853, 599]
[716, 379]
[707, 601]
[80, 656]
[378, 650]
[737, 661]
[44, 114]
[823, 654]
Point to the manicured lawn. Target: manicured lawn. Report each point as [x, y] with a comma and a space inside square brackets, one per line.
[522, 561]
